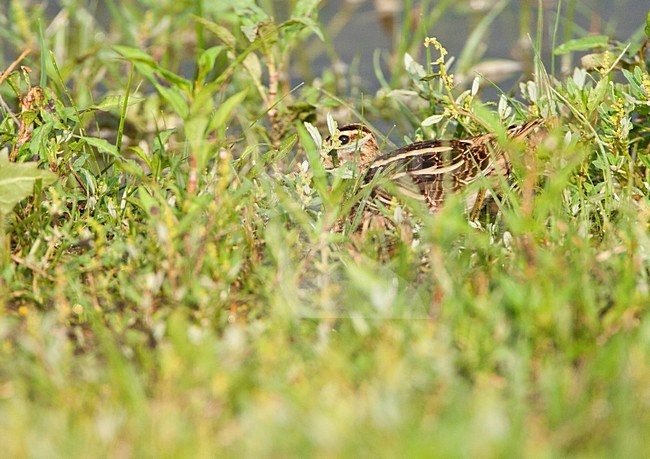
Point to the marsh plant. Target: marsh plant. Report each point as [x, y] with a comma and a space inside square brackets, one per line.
[181, 277]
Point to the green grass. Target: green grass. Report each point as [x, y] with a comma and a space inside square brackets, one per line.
[178, 290]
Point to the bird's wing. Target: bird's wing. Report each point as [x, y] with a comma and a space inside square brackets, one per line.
[431, 169]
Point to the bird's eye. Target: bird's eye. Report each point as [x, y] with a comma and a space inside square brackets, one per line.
[344, 139]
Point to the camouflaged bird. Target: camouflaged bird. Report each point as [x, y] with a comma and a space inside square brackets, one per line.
[430, 170]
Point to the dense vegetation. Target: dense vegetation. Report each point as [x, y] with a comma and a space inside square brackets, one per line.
[173, 284]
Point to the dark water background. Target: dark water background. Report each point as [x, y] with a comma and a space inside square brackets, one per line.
[358, 30]
[364, 32]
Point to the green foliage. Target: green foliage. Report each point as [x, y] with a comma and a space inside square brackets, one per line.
[582, 44]
[17, 182]
[193, 283]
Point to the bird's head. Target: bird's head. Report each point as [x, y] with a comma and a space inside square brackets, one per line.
[352, 142]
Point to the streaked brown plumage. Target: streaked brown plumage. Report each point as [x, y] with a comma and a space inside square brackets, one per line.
[429, 170]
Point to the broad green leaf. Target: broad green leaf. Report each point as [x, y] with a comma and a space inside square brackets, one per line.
[142, 155]
[209, 56]
[207, 60]
[431, 120]
[150, 68]
[103, 146]
[80, 162]
[221, 32]
[304, 23]
[152, 71]
[632, 80]
[582, 44]
[413, 68]
[132, 167]
[111, 102]
[597, 95]
[416, 72]
[175, 99]
[135, 55]
[226, 107]
[647, 25]
[17, 182]
[146, 201]
[39, 139]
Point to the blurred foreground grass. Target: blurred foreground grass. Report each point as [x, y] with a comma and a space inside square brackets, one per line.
[179, 291]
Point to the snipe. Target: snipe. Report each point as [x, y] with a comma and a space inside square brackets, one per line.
[429, 170]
